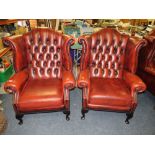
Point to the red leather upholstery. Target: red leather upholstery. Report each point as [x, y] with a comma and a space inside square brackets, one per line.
[16, 83]
[104, 94]
[41, 95]
[146, 65]
[108, 64]
[43, 68]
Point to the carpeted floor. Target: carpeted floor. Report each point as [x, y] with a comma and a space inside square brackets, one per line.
[96, 122]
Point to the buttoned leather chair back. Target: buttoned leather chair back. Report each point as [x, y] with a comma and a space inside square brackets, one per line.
[43, 69]
[107, 54]
[45, 54]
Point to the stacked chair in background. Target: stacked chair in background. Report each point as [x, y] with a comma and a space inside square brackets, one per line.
[146, 62]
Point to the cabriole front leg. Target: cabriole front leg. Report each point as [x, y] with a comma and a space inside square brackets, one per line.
[129, 116]
[83, 112]
[19, 117]
[67, 113]
[67, 110]
[84, 109]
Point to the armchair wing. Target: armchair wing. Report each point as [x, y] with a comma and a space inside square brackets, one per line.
[146, 63]
[133, 47]
[17, 45]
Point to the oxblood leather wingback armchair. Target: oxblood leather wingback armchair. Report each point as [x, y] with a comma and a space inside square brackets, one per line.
[146, 63]
[43, 75]
[107, 72]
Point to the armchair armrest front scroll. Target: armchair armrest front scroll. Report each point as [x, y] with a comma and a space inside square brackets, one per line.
[16, 82]
[134, 82]
[68, 80]
[150, 70]
[84, 79]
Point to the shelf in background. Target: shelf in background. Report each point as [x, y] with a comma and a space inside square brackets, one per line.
[4, 51]
[9, 21]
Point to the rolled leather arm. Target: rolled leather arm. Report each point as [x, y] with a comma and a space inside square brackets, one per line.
[150, 70]
[68, 80]
[84, 79]
[150, 38]
[16, 82]
[137, 41]
[134, 82]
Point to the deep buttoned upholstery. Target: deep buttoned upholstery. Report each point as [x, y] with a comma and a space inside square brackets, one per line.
[44, 54]
[107, 71]
[107, 55]
[43, 68]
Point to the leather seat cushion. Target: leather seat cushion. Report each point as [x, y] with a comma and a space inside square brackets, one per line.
[40, 94]
[109, 94]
